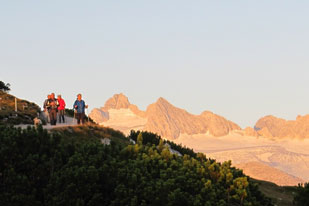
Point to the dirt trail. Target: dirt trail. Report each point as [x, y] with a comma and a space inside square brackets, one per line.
[69, 122]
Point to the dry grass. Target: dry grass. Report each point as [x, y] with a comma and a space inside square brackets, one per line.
[281, 196]
[92, 131]
[26, 111]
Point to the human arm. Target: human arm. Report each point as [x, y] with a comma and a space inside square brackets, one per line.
[44, 105]
[85, 105]
[75, 105]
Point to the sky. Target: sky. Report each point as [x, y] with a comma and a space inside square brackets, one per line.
[240, 59]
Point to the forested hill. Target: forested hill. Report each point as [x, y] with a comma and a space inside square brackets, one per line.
[71, 166]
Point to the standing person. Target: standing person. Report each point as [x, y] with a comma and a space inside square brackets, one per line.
[61, 108]
[79, 106]
[53, 104]
[46, 109]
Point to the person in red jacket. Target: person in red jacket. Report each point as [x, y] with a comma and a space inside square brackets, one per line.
[61, 108]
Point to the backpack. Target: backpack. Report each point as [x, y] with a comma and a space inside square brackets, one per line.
[53, 104]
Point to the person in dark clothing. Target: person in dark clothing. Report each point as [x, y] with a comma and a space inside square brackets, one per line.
[46, 109]
[79, 107]
[53, 105]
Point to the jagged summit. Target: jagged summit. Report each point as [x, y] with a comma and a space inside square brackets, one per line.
[161, 100]
[160, 103]
[118, 101]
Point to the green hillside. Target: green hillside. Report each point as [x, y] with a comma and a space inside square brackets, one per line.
[26, 111]
[71, 166]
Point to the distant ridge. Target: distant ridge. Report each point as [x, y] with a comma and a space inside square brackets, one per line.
[167, 120]
[270, 126]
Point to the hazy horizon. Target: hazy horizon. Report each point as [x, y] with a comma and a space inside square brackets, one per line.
[241, 60]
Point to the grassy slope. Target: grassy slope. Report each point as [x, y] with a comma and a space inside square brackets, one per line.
[26, 111]
[92, 131]
[281, 196]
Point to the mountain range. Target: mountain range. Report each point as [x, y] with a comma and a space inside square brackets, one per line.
[162, 118]
[169, 121]
[274, 145]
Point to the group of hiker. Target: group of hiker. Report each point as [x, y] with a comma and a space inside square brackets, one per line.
[55, 108]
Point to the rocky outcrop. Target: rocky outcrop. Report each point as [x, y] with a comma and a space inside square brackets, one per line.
[271, 126]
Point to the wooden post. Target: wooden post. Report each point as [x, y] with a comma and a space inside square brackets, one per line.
[15, 104]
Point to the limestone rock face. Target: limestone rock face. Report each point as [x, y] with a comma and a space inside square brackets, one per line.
[271, 126]
[136, 111]
[217, 125]
[98, 115]
[249, 131]
[169, 121]
[265, 132]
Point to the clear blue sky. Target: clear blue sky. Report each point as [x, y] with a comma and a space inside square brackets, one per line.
[239, 59]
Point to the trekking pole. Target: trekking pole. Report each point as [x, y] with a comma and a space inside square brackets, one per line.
[73, 116]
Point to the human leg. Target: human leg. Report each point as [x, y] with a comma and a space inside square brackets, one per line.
[59, 116]
[78, 117]
[62, 115]
[83, 117]
[46, 114]
[53, 117]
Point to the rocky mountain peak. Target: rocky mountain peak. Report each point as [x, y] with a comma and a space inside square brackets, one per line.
[162, 107]
[118, 101]
[162, 102]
